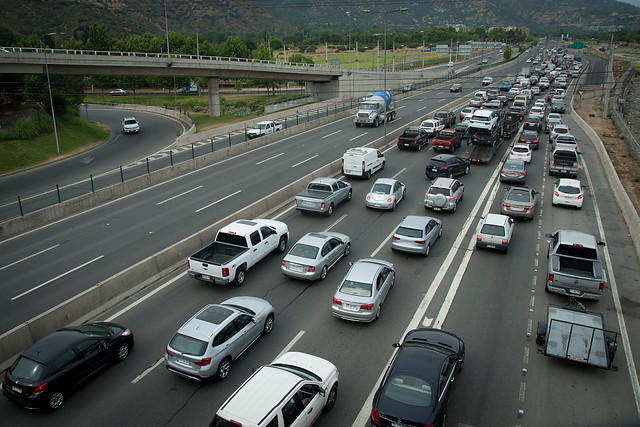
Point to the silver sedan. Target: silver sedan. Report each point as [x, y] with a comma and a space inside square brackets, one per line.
[520, 202]
[416, 234]
[314, 254]
[386, 193]
[363, 290]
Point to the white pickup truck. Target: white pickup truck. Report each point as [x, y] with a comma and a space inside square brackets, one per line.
[236, 248]
[264, 128]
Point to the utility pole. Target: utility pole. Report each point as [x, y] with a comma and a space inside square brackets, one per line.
[607, 86]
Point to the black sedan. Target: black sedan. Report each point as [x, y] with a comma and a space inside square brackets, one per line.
[530, 137]
[533, 124]
[43, 375]
[415, 389]
[446, 165]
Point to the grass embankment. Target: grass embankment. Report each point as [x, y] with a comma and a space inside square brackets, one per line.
[401, 60]
[74, 135]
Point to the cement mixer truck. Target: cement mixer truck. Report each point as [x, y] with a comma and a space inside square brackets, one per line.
[375, 110]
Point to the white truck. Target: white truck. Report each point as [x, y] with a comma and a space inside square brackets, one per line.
[379, 108]
[264, 128]
[236, 248]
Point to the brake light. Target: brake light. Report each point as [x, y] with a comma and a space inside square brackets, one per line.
[601, 287]
[368, 197]
[204, 362]
[395, 238]
[295, 200]
[557, 193]
[337, 301]
[225, 272]
[366, 306]
[311, 269]
[363, 166]
[551, 278]
[580, 197]
[577, 245]
[504, 242]
[168, 352]
[322, 205]
[521, 173]
[284, 264]
[374, 416]
[503, 171]
[389, 199]
[450, 197]
[506, 205]
[420, 242]
[188, 263]
[528, 208]
[479, 239]
[535, 141]
[38, 390]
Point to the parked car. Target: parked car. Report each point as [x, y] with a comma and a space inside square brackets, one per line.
[495, 232]
[47, 372]
[513, 171]
[520, 202]
[444, 194]
[568, 192]
[416, 234]
[530, 137]
[315, 254]
[521, 152]
[447, 139]
[413, 137]
[418, 383]
[447, 117]
[363, 290]
[432, 126]
[456, 87]
[447, 165]
[206, 345]
[386, 193]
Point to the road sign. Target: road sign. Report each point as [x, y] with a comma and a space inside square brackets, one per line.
[580, 92]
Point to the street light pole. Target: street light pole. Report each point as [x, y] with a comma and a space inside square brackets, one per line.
[53, 113]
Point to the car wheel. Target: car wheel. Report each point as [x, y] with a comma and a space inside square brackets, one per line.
[347, 249]
[419, 146]
[451, 175]
[240, 276]
[323, 273]
[383, 165]
[56, 400]
[376, 123]
[455, 207]
[466, 170]
[440, 232]
[268, 325]
[444, 420]
[349, 194]
[331, 399]
[426, 250]
[367, 175]
[282, 244]
[123, 352]
[223, 368]
[393, 207]
[330, 210]
[378, 312]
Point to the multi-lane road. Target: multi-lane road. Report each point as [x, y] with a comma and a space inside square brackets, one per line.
[492, 301]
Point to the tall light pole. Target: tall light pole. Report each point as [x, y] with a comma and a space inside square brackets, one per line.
[384, 15]
[53, 113]
[349, 17]
[166, 30]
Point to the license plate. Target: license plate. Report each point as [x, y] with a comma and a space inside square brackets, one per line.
[434, 170]
[16, 389]
[351, 307]
[491, 246]
[398, 424]
[296, 267]
[205, 277]
[517, 208]
[183, 362]
[574, 291]
[512, 174]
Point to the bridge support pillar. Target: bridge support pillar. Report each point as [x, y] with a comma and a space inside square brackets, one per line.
[324, 90]
[214, 97]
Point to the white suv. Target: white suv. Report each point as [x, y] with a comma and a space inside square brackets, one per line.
[130, 125]
[495, 232]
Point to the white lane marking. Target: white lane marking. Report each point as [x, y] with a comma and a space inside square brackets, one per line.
[291, 344]
[284, 212]
[56, 278]
[30, 256]
[420, 109]
[304, 161]
[270, 158]
[359, 136]
[442, 100]
[178, 195]
[335, 222]
[401, 170]
[363, 416]
[146, 371]
[401, 107]
[218, 201]
[331, 134]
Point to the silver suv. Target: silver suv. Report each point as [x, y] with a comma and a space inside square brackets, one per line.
[206, 344]
[444, 194]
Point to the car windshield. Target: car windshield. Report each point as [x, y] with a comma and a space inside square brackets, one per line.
[27, 369]
[519, 196]
[188, 345]
[130, 122]
[381, 189]
[577, 251]
[409, 134]
[492, 230]
[410, 390]
[259, 126]
[409, 232]
[367, 107]
[567, 189]
[357, 289]
[304, 251]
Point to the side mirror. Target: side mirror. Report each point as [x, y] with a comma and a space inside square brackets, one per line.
[601, 243]
[396, 345]
[548, 235]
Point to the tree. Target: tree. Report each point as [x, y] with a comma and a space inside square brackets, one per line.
[234, 47]
[98, 39]
[507, 53]
[276, 44]
[262, 52]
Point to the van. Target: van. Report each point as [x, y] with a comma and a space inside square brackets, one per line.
[362, 162]
[294, 390]
[527, 92]
[523, 97]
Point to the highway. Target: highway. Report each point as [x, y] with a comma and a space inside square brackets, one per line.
[489, 299]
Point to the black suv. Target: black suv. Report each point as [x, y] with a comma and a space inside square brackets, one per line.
[446, 165]
[447, 117]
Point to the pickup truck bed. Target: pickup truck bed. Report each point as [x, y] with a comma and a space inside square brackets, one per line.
[218, 253]
[579, 267]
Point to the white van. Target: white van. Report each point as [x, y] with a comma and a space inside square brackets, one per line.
[362, 162]
[292, 391]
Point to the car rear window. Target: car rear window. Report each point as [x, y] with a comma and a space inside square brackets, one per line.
[188, 345]
[409, 134]
[439, 190]
[437, 163]
[27, 369]
[569, 189]
[577, 251]
[232, 239]
[520, 149]
[409, 232]
[493, 230]
[304, 251]
[357, 289]
[410, 390]
[445, 136]
[519, 196]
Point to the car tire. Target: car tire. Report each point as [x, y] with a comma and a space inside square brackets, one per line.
[268, 325]
[323, 272]
[282, 245]
[367, 175]
[455, 207]
[440, 232]
[56, 400]
[123, 352]
[349, 195]
[377, 316]
[330, 210]
[240, 277]
[331, 399]
[376, 123]
[426, 250]
[466, 170]
[393, 207]
[347, 250]
[419, 147]
[450, 175]
[357, 125]
[546, 289]
[383, 165]
[223, 368]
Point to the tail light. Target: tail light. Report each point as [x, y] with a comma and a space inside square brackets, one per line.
[188, 264]
[363, 166]
[204, 362]
[395, 238]
[528, 208]
[225, 272]
[295, 200]
[550, 278]
[528, 154]
[38, 390]
[375, 418]
[505, 242]
[503, 171]
[366, 307]
[168, 352]
[451, 197]
[337, 301]
[426, 195]
[284, 264]
[601, 287]
[535, 141]
[420, 242]
[556, 193]
[506, 205]
[342, 163]
[311, 269]
[322, 205]
[580, 197]
[368, 197]
[521, 173]
[479, 239]
[389, 200]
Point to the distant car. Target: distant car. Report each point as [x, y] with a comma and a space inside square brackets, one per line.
[363, 290]
[520, 202]
[130, 125]
[444, 194]
[566, 141]
[456, 87]
[119, 92]
[513, 171]
[432, 126]
[467, 112]
[530, 137]
[568, 192]
[559, 129]
[416, 234]
[495, 232]
[207, 344]
[447, 117]
[505, 85]
[447, 165]
[558, 107]
[408, 87]
[517, 110]
[552, 120]
[447, 139]
[416, 388]
[386, 193]
[487, 81]
[532, 123]
[461, 128]
[492, 94]
[540, 103]
[520, 152]
[47, 372]
[450, 64]
[503, 100]
[476, 101]
[314, 254]
[413, 137]
[537, 112]
[535, 90]
[484, 61]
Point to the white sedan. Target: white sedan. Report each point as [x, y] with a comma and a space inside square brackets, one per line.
[568, 192]
[386, 193]
[520, 152]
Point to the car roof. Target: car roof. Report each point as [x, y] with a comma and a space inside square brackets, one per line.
[496, 219]
[415, 221]
[365, 270]
[570, 237]
[516, 161]
[50, 346]
[443, 182]
[129, 118]
[522, 146]
[570, 182]
[206, 322]
[390, 181]
[416, 128]
[314, 238]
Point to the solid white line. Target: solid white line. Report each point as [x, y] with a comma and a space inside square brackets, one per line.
[304, 161]
[291, 343]
[30, 256]
[359, 136]
[178, 195]
[146, 371]
[56, 278]
[270, 158]
[216, 202]
[331, 134]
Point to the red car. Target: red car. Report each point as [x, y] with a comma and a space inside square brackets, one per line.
[447, 139]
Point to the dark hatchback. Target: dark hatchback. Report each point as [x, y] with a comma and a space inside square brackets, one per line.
[530, 137]
[43, 375]
[447, 117]
[447, 165]
[416, 388]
